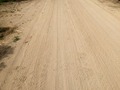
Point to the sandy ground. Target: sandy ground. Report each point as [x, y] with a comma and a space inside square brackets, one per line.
[111, 7]
[65, 45]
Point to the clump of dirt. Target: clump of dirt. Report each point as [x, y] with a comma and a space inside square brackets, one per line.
[8, 36]
[2, 66]
[5, 50]
[5, 31]
[11, 11]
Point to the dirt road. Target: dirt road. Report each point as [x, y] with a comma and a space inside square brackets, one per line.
[67, 45]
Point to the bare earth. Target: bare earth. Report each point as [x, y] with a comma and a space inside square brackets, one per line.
[111, 7]
[66, 45]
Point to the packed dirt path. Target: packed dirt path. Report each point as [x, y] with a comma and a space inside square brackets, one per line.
[68, 45]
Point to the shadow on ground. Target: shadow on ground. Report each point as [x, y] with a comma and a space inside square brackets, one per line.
[5, 51]
[4, 31]
[2, 66]
[11, 1]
